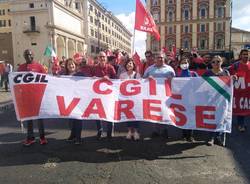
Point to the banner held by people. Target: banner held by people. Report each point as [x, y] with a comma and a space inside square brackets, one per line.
[241, 101]
[197, 103]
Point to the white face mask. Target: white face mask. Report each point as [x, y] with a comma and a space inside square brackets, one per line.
[184, 66]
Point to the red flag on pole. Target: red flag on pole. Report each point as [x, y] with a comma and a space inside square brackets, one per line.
[164, 50]
[174, 51]
[137, 61]
[144, 21]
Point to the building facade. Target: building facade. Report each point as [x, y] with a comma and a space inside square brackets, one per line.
[240, 40]
[188, 24]
[105, 31]
[40, 23]
[6, 48]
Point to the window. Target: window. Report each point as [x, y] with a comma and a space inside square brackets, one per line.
[3, 11]
[9, 23]
[170, 30]
[186, 30]
[4, 23]
[90, 7]
[92, 49]
[33, 23]
[92, 32]
[91, 19]
[31, 5]
[156, 17]
[186, 14]
[220, 10]
[169, 44]
[219, 42]
[170, 16]
[96, 34]
[202, 28]
[96, 22]
[203, 43]
[155, 46]
[155, 2]
[33, 44]
[77, 6]
[170, 1]
[186, 43]
[203, 12]
[219, 27]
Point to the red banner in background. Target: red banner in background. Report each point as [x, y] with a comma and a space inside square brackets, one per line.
[241, 102]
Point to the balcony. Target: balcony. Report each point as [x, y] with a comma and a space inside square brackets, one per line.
[31, 29]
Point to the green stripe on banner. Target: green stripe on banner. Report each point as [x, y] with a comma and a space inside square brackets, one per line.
[217, 87]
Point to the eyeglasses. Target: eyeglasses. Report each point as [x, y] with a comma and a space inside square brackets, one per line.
[148, 56]
[215, 62]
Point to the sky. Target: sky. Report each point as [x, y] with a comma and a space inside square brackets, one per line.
[125, 11]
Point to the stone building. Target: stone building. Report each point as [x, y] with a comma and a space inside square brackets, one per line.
[202, 24]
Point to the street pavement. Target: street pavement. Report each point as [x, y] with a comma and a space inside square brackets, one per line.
[149, 161]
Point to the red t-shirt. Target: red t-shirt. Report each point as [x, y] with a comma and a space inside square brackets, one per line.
[2, 68]
[33, 67]
[86, 70]
[107, 70]
[145, 66]
[239, 69]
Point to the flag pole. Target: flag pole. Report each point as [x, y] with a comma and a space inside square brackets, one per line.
[133, 49]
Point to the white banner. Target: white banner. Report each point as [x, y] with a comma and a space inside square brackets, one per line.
[187, 103]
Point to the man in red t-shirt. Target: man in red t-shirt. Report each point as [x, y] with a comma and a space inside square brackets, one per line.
[149, 61]
[32, 66]
[105, 71]
[241, 68]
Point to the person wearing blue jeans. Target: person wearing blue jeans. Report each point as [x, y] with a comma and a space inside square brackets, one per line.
[185, 72]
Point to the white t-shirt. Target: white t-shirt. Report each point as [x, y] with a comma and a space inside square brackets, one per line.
[134, 75]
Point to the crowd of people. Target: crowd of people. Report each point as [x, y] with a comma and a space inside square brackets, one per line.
[121, 66]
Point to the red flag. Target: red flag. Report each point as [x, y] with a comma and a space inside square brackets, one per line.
[137, 61]
[173, 53]
[144, 21]
[55, 66]
[165, 50]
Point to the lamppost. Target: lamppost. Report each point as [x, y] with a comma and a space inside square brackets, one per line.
[230, 39]
[98, 33]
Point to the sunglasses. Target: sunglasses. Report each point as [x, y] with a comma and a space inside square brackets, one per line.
[215, 62]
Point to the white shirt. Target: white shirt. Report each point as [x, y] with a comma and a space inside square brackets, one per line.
[125, 75]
